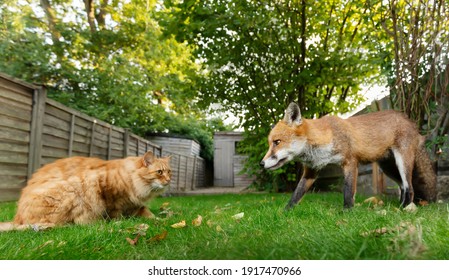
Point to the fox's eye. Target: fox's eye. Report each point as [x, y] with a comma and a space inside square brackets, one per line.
[276, 142]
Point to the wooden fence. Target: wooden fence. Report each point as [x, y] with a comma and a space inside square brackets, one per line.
[188, 172]
[35, 130]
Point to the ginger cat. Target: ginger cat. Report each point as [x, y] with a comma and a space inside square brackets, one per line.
[81, 190]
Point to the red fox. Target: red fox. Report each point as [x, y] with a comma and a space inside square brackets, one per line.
[388, 137]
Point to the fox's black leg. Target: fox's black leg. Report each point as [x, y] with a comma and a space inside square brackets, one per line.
[350, 171]
[308, 178]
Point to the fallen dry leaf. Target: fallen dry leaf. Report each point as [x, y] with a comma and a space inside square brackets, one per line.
[342, 222]
[218, 228]
[374, 201]
[375, 232]
[142, 229]
[197, 222]
[166, 212]
[411, 208]
[209, 223]
[238, 216]
[423, 203]
[164, 206]
[218, 210]
[45, 244]
[402, 227]
[133, 242]
[159, 237]
[181, 224]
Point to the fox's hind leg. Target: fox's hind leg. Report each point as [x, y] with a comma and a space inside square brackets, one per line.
[350, 170]
[405, 168]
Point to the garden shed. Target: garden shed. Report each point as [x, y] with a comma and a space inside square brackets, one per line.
[228, 163]
[176, 144]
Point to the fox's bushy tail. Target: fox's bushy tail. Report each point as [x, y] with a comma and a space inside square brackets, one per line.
[424, 178]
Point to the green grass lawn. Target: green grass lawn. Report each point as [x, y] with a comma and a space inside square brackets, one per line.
[318, 228]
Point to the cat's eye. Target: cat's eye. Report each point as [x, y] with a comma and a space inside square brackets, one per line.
[159, 172]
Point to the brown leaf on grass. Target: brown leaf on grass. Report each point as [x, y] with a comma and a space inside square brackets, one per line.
[374, 201]
[401, 228]
[159, 237]
[423, 203]
[164, 206]
[45, 244]
[140, 229]
[197, 222]
[375, 232]
[166, 212]
[133, 242]
[209, 223]
[181, 224]
[219, 210]
[218, 228]
[342, 222]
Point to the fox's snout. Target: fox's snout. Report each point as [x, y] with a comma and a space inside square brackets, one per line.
[268, 155]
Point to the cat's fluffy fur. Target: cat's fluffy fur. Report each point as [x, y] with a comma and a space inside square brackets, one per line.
[81, 190]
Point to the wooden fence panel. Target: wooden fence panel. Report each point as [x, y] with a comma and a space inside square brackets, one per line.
[188, 172]
[35, 130]
[16, 100]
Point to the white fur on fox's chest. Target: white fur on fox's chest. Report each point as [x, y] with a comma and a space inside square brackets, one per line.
[318, 156]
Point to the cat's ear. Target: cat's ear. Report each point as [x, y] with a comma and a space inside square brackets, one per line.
[148, 159]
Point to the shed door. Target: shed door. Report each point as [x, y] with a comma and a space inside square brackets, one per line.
[223, 164]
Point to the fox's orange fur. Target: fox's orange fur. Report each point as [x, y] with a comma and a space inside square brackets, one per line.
[387, 137]
[81, 190]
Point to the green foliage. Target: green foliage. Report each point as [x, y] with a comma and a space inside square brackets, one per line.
[117, 67]
[318, 228]
[417, 65]
[260, 55]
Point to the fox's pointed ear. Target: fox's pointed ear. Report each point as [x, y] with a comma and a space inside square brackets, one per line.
[293, 114]
[148, 159]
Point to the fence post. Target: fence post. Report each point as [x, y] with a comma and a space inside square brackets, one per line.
[109, 143]
[37, 124]
[126, 143]
[193, 173]
[72, 132]
[92, 139]
[179, 172]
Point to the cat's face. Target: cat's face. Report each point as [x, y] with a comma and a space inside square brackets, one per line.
[160, 173]
[157, 172]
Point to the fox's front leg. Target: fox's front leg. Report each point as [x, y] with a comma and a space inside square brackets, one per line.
[307, 179]
[350, 170]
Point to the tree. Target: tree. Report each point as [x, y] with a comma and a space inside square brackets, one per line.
[107, 59]
[419, 71]
[261, 55]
